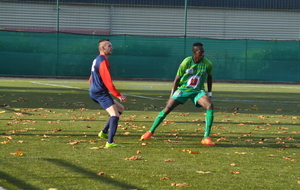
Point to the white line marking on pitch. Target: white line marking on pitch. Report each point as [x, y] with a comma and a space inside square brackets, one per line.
[64, 86]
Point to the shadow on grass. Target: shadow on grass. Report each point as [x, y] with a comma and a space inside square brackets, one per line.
[16, 182]
[90, 174]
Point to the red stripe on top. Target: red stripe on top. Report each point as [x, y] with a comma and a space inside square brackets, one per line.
[104, 71]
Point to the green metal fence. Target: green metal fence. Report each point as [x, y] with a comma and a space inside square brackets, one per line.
[69, 55]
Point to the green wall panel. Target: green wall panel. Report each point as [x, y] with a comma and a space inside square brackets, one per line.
[57, 54]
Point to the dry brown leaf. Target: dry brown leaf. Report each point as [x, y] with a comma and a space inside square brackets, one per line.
[179, 184]
[54, 122]
[202, 172]
[193, 152]
[289, 158]
[232, 164]
[185, 150]
[243, 153]
[101, 173]
[270, 155]
[134, 158]
[73, 143]
[233, 172]
[184, 114]
[95, 148]
[169, 160]
[170, 141]
[17, 153]
[18, 131]
[165, 178]
[54, 130]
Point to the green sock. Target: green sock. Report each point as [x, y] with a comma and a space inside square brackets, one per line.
[209, 118]
[161, 116]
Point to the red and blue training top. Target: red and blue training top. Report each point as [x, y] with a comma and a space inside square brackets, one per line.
[100, 79]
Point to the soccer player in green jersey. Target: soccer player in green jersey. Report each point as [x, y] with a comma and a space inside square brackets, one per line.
[189, 84]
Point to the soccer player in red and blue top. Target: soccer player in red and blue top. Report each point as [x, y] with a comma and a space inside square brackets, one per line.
[189, 84]
[100, 86]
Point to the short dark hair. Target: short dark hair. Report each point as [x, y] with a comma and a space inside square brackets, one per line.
[197, 44]
[103, 40]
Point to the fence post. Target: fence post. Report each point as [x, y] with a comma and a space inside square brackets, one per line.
[185, 17]
[57, 15]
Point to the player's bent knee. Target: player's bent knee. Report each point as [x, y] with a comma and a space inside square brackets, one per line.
[210, 106]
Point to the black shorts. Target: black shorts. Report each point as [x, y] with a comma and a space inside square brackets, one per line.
[104, 99]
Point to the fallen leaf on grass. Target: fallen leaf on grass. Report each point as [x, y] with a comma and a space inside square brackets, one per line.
[170, 141]
[185, 150]
[190, 151]
[127, 133]
[222, 139]
[233, 172]
[54, 122]
[270, 155]
[134, 158]
[193, 152]
[184, 114]
[240, 153]
[4, 142]
[18, 131]
[165, 178]
[169, 160]
[202, 172]
[76, 142]
[54, 130]
[93, 141]
[17, 153]
[101, 173]
[8, 137]
[179, 184]
[232, 164]
[289, 158]
[98, 147]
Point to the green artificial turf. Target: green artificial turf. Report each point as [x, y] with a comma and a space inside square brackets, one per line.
[49, 127]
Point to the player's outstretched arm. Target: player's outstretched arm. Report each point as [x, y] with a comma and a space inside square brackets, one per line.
[175, 85]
